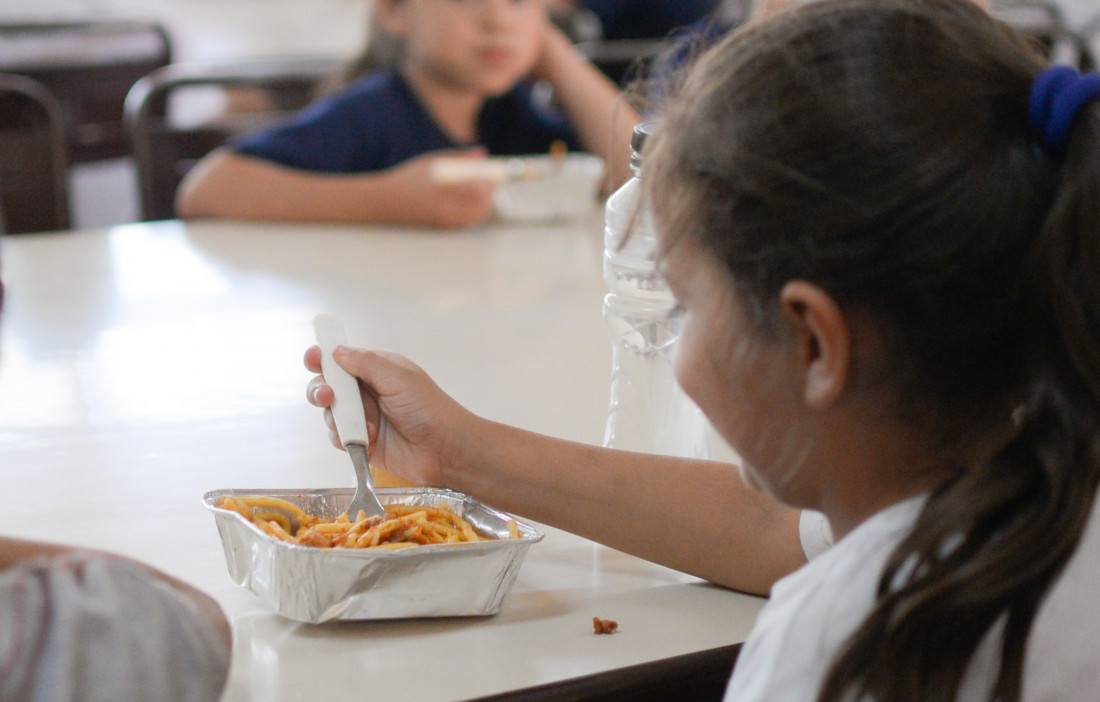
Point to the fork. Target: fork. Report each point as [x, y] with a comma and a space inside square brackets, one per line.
[349, 416]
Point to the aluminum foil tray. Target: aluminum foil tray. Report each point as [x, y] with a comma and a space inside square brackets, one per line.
[316, 585]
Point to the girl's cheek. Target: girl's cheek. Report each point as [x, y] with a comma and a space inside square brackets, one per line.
[689, 365]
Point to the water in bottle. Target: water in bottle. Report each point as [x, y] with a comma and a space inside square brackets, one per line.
[649, 412]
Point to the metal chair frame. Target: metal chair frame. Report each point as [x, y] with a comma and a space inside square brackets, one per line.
[163, 152]
[34, 166]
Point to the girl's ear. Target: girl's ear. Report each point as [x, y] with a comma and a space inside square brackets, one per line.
[822, 342]
[388, 14]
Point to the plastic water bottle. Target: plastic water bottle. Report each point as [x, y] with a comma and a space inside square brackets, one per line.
[649, 412]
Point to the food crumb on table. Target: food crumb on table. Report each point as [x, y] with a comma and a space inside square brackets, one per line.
[604, 626]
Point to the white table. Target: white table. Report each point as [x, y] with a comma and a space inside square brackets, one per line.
[143, 365]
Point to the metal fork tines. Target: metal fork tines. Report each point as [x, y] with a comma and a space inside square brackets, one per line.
[365, 499]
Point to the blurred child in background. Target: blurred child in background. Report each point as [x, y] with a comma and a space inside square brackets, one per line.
[461, 86]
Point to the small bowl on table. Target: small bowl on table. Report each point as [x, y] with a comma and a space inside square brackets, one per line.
[532, 189]
[550, 188]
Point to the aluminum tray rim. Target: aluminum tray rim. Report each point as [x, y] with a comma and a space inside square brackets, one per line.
[528, 533]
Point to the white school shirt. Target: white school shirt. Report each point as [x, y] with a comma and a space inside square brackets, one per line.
[89, 628]
[815, 533]
[812, 612]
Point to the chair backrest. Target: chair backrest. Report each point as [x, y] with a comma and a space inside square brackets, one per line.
[89, 67]
[165, 149]
[34, 168]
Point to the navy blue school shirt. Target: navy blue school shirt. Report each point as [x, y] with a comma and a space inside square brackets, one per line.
[377, 122]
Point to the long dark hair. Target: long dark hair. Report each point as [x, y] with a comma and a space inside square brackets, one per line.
[382, 51]
[880, 149]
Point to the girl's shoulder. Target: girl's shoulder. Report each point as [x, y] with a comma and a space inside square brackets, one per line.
[813, 611]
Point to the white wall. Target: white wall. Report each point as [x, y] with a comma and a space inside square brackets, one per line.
[217, 29]
[1079, 11]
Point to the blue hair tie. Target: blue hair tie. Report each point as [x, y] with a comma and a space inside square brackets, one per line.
[1057, 95]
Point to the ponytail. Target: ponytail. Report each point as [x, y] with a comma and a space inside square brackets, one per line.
[990, 544]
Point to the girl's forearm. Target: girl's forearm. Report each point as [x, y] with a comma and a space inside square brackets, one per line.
[227, 184]
[642, 504]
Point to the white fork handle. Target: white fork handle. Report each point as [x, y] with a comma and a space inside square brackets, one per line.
[347, 407]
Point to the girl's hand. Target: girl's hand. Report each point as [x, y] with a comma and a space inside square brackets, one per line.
[416, 430]
[557, 52]
[428, 202]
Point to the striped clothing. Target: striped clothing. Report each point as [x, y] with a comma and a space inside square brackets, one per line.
[91, 627]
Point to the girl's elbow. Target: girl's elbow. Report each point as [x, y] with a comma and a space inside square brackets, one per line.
[185, 204]
[192, 203]
[202, 192]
